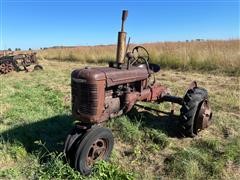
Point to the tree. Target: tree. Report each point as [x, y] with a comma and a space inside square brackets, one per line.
[17, 49]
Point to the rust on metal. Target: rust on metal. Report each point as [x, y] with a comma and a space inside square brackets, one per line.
[121, 45]
[12, 61]
[204, 117]
[192, 85]
[97, 151]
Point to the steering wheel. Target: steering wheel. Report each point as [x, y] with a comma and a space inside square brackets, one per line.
[140, 56]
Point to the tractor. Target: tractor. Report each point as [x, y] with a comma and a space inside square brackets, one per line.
[101, 93]
[18, 62]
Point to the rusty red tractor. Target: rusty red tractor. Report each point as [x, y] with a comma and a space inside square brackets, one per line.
[102, 93]
[18, 62]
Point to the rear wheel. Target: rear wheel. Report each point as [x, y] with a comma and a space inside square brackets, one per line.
[6, 67]
[38, 67]
[195, 113]
[97, 144]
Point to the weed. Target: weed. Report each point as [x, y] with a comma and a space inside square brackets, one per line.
[105, 170]
[211, 145]
[55, 168]
[157, 137]
[10, 173]
[128, 130]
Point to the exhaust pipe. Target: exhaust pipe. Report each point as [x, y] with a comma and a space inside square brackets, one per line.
[121, 45]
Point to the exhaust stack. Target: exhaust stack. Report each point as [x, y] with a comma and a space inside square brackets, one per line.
[121, 46]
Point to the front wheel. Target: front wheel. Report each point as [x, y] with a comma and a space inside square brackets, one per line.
[71, 142]
[97, 144]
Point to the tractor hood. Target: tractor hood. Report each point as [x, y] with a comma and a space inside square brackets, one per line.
[112, 76]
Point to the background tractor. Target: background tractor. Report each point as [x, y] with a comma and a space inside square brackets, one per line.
[13, 61]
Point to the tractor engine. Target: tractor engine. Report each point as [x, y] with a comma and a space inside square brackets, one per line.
[106, 92]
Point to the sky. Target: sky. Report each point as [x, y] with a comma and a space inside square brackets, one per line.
[44, 23]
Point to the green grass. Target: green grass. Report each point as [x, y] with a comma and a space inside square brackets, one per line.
[35, 118]
[205, 159]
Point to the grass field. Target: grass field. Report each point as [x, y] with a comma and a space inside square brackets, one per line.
[212, 56]
[35, 118]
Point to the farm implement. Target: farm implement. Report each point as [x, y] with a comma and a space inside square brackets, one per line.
[102, 93]
[18, 62]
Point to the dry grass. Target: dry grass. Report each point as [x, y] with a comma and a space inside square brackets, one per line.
[214, 56]
[83, 54]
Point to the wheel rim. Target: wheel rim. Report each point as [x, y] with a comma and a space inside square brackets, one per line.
[2, 68]
[204, 116]
[6, 67]
[10, 67]
[97, 151]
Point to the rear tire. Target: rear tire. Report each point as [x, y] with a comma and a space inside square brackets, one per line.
[188, 113]
[97, 144]
[38, 67]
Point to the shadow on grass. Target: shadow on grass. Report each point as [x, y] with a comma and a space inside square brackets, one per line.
[51, 132]
[167, 124]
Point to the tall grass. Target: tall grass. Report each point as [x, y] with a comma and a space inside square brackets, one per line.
[217, 55]
[83, 54]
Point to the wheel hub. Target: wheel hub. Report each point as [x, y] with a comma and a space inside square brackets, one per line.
[97, 151]
[204, 116]
[6, 68]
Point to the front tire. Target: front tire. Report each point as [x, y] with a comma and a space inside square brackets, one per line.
[70, 144]
[97, 144]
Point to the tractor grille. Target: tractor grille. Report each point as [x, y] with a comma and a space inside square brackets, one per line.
[85, 97]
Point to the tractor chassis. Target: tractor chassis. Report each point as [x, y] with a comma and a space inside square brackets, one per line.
[86, 143]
